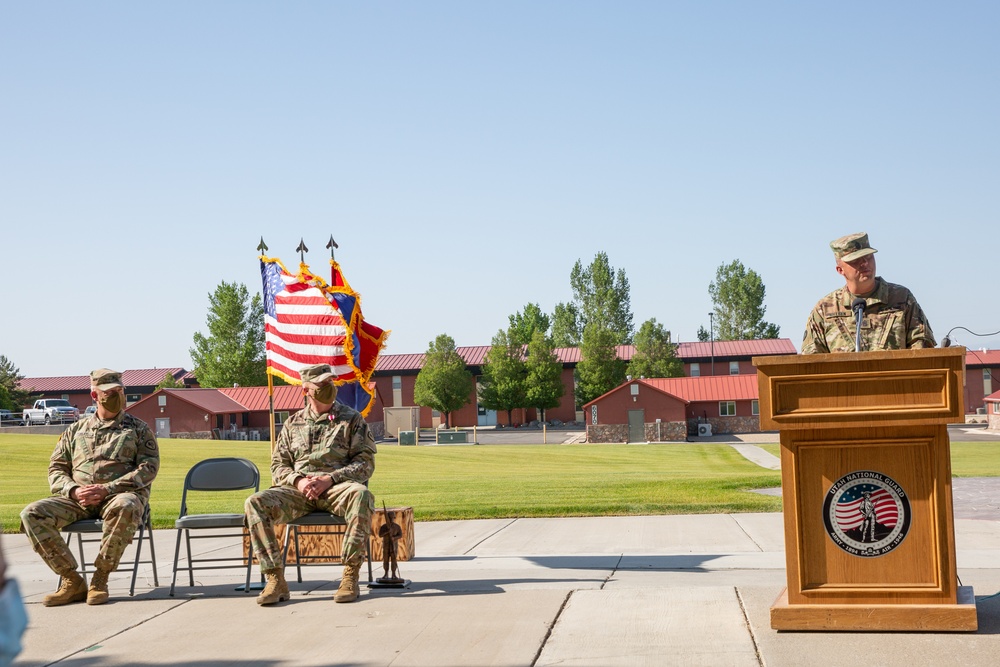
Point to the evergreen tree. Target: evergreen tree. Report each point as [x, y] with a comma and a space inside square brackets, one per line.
[11, 397]
[738, 299]
[233, 351]
[502, 386]
[444, 383]
[600, 370]
[543, 385]
[655, 356]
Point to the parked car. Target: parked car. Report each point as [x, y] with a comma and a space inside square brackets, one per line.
[8, 418]
[91, 409]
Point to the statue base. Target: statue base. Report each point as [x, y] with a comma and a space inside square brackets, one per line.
[389, 582]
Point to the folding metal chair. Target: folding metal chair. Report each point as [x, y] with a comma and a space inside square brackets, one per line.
[91, 526]
[211, 475]
[302, 526]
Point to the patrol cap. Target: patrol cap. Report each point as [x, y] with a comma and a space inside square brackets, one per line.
[105, 379]
[852, 247]
[316, 373]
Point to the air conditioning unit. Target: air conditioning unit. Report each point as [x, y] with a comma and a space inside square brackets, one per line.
[255, 435]
[704, 430]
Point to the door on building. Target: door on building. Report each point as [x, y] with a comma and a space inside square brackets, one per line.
[163, 428]
[636, 426]
[487, 417]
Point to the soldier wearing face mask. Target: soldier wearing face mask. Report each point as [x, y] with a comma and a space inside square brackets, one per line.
[102, 467]
[321, 461]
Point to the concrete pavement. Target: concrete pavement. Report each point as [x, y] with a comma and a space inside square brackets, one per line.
[652, 590]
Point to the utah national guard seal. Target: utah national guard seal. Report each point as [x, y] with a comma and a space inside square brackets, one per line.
[866, 513]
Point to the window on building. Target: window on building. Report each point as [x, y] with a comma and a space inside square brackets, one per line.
[695, 370]
[727, 408]
[397, 382]
[734, 368]
[755, 407]
[280, 417]
[987, 382]
[132, 398]
[996, 408]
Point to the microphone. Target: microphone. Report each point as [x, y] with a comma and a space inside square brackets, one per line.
[858, 306]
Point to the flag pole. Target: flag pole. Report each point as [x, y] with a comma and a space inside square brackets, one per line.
[262, 248]
[270, 400]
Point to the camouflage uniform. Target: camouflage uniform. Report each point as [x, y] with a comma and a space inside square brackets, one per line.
[120, 453]
[893, 320]
[339, 444]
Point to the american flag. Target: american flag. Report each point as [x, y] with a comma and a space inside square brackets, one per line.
[849, 507]
[304, 324]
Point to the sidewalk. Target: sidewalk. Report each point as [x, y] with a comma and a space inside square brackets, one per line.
[654, 590]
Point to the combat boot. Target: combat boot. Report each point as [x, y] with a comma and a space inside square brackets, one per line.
[98, 593]
[276, 589]
[349, 589]
[72, 588]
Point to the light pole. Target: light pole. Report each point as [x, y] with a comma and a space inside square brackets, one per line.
[711, 335]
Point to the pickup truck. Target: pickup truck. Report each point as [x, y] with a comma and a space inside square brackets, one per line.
[50, 411]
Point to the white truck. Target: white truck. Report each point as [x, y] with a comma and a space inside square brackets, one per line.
[50, 411]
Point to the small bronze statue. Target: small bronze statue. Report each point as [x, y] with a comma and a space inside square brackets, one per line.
[390, 534]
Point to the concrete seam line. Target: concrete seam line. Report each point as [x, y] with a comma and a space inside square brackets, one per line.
[749, 537]
[611, 574]
[100, 642]
[495, 532]
[545, 639]
[746, 620]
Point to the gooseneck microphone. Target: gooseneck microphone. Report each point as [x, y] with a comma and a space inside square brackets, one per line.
[858, 306]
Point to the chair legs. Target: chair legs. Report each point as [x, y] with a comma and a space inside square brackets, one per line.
[191, 560]
[145, 534]
[293, 528]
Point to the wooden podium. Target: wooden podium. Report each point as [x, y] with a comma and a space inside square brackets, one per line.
[866, 489]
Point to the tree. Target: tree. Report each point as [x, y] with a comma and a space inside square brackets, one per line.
[11, 397]
[738, 300]
[169, 382]
[600, 370]
[655, 356]
[444, 383]
[233, 351]
[565, 326]
[601, 297]
[524, 324]
[543, 384]
[502, 386]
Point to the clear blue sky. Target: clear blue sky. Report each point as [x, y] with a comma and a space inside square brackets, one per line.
[465, 154]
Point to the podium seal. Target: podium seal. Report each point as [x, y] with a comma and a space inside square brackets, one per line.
[866, 513]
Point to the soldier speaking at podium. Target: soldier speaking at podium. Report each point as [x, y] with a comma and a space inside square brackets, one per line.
[868, 313]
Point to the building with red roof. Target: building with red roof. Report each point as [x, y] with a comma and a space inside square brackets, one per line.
[665, 409]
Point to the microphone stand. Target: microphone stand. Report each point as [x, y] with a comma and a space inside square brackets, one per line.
[859, 308]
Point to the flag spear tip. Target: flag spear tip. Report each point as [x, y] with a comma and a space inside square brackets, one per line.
[331, 245]
[302, 250]
[263, 246]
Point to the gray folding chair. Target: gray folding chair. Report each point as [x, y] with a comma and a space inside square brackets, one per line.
[303, 524]
[212, 475]
[91, 526]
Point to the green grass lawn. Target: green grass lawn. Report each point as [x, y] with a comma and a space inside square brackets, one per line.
[968, 459]
[462, 482]
[473, 482]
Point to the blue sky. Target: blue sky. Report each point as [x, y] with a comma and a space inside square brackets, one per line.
[465, 155]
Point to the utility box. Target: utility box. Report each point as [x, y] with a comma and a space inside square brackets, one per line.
[408, 437]
[452, 437]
